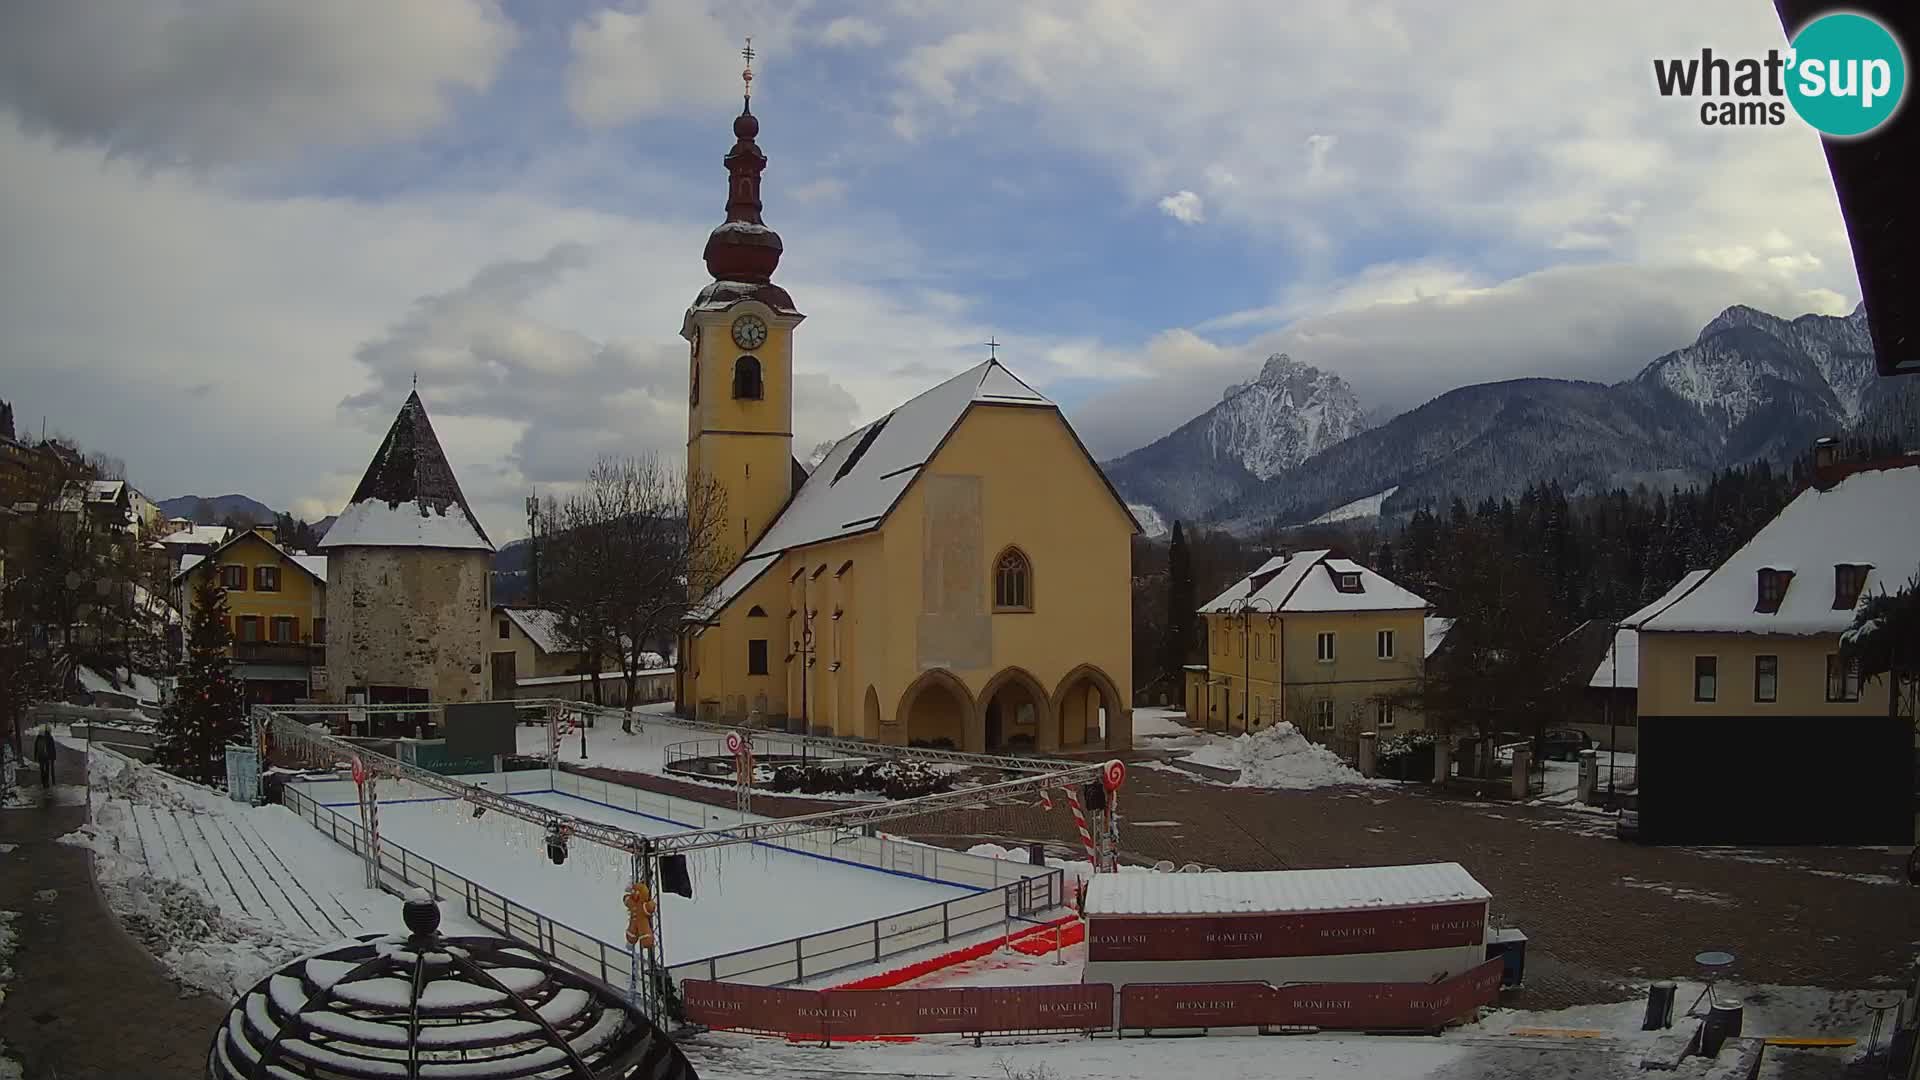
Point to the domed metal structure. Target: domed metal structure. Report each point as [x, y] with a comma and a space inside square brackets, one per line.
[424, 1005]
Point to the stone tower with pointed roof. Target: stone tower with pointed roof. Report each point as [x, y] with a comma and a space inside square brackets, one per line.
[957, 572]
[409, 573]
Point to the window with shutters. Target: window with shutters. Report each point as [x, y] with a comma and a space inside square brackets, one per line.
[283, 630]
[233, 578]
[266, 579]
[247, 628]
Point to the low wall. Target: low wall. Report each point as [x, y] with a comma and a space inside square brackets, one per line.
[1090, 1006]
[1407, 966]
[1306, 933]
[827, 1014]
[1351, 1006]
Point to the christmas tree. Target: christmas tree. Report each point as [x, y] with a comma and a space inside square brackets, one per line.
[209, 707]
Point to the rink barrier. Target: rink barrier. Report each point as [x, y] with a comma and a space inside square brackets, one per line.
[829, 1014]
[1008, 893]
[1168, 1008]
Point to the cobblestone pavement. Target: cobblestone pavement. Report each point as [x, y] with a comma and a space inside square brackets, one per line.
[1602, 916]
[85, 1000]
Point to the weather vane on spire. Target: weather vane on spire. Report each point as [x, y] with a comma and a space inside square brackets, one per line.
[746, 75]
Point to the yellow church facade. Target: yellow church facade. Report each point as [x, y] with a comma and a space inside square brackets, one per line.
[956, 573]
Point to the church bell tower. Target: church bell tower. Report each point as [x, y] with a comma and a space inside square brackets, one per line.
[739, 333]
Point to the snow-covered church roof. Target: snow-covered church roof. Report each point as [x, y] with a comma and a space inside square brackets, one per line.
[854, 488]
[408, 497]
[1309, 581]
[1869, 517]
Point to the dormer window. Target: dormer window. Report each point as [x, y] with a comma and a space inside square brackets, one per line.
[1848, 581]
[1773, 589]
[1346, 581]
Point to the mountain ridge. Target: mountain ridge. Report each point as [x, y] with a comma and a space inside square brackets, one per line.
[1750, 385]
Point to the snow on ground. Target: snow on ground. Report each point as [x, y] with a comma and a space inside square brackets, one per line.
[1164, 729]
[1368, 507]
[744, 896]
[1278, 757]
[220, 892]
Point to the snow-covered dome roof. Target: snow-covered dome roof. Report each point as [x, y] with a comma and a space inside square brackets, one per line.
[424, 1005]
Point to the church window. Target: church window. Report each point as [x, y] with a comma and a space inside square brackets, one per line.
[1013, 582]
[746, 379]
[757, 656]
[756, 612]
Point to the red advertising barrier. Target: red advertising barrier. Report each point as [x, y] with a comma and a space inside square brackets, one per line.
[1352, 1006]
[1310, 933]
[827, 1014]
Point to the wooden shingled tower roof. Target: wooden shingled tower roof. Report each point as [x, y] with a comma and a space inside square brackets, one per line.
[409, 496]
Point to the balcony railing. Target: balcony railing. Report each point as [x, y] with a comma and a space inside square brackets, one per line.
[304, 653]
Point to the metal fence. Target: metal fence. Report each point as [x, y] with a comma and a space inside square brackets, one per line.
[1009, 893]
[801, 750]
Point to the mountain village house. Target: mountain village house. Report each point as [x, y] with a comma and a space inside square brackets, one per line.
[1316, 640]
[954, 573]
[532, 659]
[1752, 726]
[276, 612]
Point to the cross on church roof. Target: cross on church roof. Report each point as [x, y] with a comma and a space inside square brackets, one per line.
[993, 348]
[746, 75]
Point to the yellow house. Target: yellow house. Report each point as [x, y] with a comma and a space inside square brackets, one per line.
[276, 612]
[1752, 726]
[955, 573]
[1316, 640]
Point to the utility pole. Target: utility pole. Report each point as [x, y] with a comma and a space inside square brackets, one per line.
[533, 542]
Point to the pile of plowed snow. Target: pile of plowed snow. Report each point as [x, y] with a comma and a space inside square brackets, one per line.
[1279, 757]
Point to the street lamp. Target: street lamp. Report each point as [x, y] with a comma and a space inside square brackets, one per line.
[1245, 608]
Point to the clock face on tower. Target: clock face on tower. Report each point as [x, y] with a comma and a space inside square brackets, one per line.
[749, 332]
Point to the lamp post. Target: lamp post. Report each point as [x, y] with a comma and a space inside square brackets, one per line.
[1245, 608]
[1613, 734]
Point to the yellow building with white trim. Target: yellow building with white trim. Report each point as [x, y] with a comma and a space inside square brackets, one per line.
[954, 573]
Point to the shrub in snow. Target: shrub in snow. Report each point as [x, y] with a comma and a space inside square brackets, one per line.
[891, 779]
[1405, 742]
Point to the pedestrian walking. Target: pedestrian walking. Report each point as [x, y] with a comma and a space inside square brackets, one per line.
[43, 752]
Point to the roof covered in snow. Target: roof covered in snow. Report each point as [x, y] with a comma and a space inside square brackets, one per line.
[1618, 665]
[211, 535]
[409, 496]
[1869, 518]
[541, 626]
[118, 681]
[1305, 581]
[1436, 633]
[1272, 892]
[857, 484]
[315, 565]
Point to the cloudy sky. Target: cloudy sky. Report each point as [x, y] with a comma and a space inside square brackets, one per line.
[235, 230]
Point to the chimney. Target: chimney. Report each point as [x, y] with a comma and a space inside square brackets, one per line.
[1826, 461]
[268, 533]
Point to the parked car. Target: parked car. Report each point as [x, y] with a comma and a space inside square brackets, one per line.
[1564, 744]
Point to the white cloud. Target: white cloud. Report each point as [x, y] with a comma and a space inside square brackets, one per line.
[236, 80]
[1184, 207]
[210, 338]
[630, 64]
[852, 30]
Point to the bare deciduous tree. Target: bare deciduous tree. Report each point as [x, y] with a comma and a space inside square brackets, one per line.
[618, 556]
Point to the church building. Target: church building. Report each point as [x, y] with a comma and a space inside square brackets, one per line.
[956, 573]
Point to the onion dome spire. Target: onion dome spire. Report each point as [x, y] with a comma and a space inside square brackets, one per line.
[742, 248]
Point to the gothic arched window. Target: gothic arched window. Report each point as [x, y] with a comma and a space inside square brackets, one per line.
[1012, 582]
[746, 378]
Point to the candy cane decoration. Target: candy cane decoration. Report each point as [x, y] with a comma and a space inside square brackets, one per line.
[1080, 823]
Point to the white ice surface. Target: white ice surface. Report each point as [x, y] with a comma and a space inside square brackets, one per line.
[744, 896]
